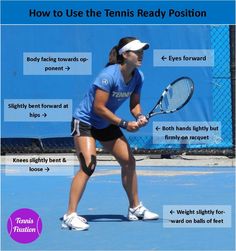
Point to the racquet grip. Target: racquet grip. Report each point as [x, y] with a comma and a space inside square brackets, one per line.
[147, 116]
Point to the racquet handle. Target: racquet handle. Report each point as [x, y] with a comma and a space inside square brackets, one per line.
[147, 116]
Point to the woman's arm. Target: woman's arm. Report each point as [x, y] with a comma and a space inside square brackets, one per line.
[101, 98]
[136, 110]
[135, 107]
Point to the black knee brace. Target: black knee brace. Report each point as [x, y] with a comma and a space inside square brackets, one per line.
[91, 167]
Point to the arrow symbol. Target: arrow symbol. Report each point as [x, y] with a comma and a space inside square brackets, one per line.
[157, 128]
[163, 58]
[47, 169]
[44, 115]
[67, 68]
[172, 212]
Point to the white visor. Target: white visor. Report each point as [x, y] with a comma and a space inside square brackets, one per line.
[134, 45]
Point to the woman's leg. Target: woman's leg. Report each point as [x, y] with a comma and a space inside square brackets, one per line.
[120, 149]
[86, 152]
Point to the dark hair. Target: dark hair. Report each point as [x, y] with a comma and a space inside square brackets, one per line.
[114, 57]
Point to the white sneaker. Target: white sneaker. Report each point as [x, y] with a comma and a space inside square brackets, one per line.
[74, 222]
[141, 213]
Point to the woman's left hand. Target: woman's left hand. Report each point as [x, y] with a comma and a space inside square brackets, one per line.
[142, 120]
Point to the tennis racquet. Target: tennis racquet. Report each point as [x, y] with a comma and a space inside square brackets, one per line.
[175, 96]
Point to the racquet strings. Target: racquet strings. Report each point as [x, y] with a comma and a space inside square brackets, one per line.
[176, 95]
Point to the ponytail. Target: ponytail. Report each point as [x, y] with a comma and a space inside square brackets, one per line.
[114, 57]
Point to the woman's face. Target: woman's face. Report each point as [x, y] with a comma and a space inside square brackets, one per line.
[134, 58]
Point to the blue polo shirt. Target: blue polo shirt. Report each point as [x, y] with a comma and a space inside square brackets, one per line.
[109, 80]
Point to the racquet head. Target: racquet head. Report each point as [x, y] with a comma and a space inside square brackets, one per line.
[175, 96]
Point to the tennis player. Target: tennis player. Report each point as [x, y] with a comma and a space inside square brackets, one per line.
[95, 119]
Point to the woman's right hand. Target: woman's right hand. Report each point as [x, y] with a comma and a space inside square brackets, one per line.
[132, 126]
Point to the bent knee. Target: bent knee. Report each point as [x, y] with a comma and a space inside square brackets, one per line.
[90, 167]
[130, 164]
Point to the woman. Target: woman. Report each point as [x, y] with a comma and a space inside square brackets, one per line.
[95, 119]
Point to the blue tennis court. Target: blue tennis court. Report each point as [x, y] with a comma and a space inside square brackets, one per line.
[104, 205]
